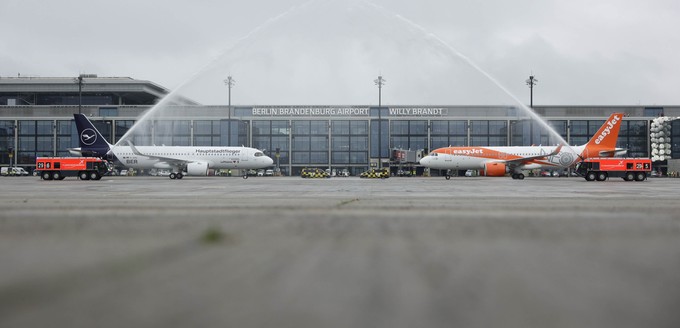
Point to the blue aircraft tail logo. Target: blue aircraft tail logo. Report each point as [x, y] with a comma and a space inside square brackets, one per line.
[88, 137]
[91, 140]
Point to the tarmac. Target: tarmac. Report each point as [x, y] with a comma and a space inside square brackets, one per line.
[339, 252]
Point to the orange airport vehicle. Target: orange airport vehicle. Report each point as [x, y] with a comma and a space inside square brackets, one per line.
[57, 168]
[599, 168]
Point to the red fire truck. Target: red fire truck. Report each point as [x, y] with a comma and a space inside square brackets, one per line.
[602, 168]
[57, 168]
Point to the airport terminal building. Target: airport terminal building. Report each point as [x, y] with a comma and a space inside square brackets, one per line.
[36, 119]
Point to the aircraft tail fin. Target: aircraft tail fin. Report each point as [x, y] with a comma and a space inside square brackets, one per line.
[91, 142]
[603, 143]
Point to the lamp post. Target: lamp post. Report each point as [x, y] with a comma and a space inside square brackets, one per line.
[229, 82]
[79, 80]
[80, 93]
[531, 81]
[10, 153]
[380, 82]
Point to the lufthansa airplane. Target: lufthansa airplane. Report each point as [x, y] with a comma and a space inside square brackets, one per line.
[497, 161]
[195, 160]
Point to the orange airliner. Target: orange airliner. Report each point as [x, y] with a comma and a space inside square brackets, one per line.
[497, 161]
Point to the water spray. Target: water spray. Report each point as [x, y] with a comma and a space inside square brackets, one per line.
[166, 99]
[432, 36]
[276, 19]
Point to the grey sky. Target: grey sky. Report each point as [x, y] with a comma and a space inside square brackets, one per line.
[609, 52]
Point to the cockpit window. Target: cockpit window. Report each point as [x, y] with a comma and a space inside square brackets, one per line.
[258, 154]
[433, 154]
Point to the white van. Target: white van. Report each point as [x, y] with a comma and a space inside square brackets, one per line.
[20, 171]
[13, 171]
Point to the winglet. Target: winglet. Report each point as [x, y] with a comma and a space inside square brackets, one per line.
[556, 151]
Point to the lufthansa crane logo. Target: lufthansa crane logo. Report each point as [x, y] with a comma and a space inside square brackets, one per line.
[88, 137]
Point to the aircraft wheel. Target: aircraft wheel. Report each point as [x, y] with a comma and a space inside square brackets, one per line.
[448, 177]
[46, 175]
[83, 175]
[520, 176]
[245, 176]
[173, 176]
[180, 175]
[641, 176]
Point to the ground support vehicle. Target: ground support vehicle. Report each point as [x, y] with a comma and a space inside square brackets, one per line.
[13, 171]
[314, 173]
[57, 168]
[376, 173]
[630, 169]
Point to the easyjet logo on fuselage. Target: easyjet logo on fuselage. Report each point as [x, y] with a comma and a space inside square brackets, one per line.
[473, 151]
[607, 129]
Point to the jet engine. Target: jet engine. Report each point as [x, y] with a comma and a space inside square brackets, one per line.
[197, 168]
[495, 169]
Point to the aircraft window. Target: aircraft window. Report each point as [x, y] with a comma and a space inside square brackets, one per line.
[258, 154]
[433, 154]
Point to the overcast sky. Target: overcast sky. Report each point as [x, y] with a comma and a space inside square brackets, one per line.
[325, 52]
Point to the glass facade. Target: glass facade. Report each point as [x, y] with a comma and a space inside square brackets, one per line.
[675, 139]
[380, 138]
[310, 143]
[273, 136]
[581, 131]
[633, 136]
[207, 133]
[349, 144]
[6, 141]
[488, 133]
[410, 135]
[233, 133]
[36, 138]
[67, 137]
[448, 133]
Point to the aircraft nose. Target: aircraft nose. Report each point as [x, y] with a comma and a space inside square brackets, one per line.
[425, 160]
[269, 161]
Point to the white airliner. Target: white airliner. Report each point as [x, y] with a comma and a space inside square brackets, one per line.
[497, 161]
[195, 160]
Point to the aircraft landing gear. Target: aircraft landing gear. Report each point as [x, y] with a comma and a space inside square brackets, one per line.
[177, 175]
[518, 176]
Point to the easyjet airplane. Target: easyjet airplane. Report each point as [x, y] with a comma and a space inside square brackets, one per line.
[195, 160]
[497, 161]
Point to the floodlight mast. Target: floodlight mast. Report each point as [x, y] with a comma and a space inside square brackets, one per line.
[380, 81]
[229, 82]
[531, 81]
[79, 80]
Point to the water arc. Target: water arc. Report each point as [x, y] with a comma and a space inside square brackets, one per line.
[351, 46]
